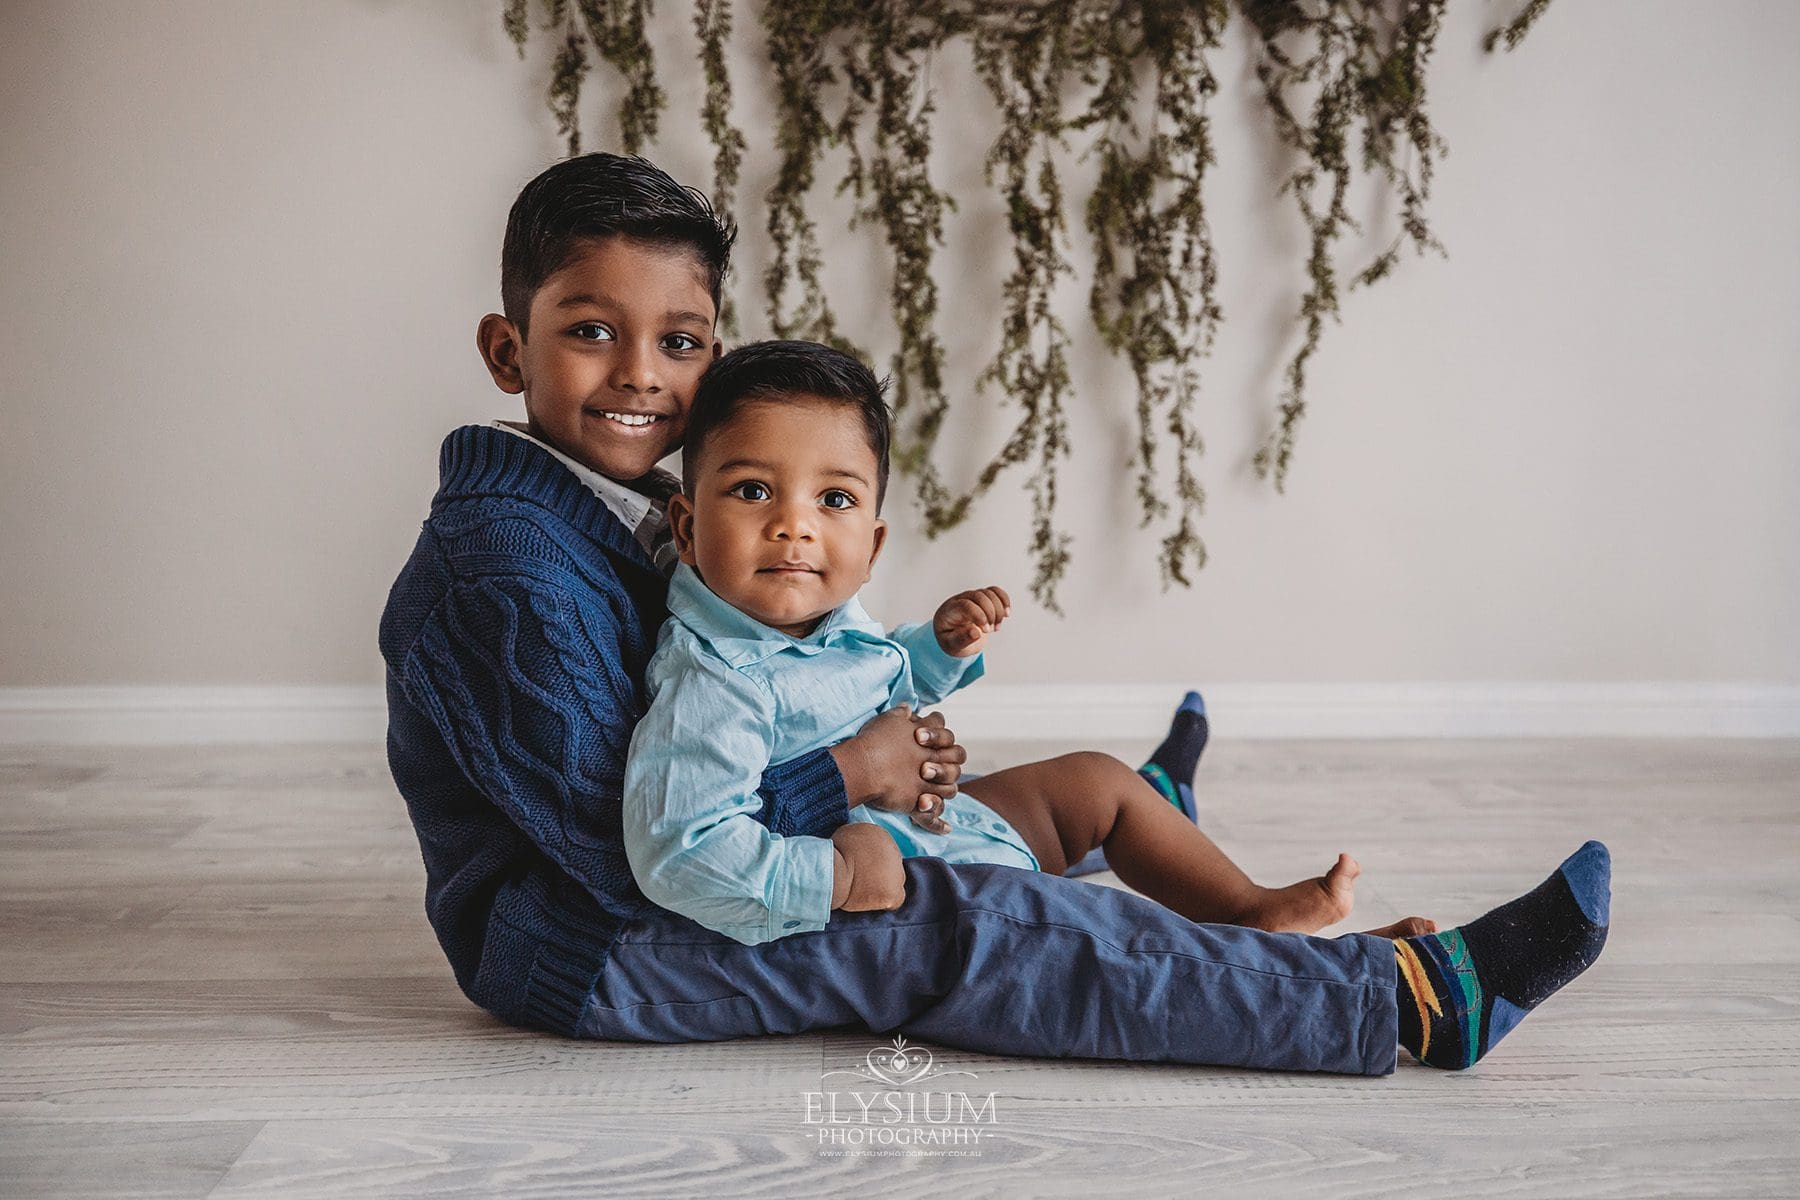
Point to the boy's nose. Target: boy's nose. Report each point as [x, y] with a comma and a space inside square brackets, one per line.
[634, 369]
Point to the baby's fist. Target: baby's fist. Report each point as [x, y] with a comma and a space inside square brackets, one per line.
[964, 621]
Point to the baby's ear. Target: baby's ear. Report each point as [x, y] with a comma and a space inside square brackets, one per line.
[681, 527]
[880, 536]
[499, 344]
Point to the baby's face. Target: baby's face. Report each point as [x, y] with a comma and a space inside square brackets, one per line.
[781, 521]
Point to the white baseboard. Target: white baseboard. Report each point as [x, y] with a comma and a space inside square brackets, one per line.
[171, 716]
[1065, 714]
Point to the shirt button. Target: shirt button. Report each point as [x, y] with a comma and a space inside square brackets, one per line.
[790, 924]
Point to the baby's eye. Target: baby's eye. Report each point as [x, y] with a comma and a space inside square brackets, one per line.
[838, 499]
[681, 341]
[601, 332]
[750, 490]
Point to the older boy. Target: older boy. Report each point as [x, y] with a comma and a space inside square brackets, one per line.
[516, 638]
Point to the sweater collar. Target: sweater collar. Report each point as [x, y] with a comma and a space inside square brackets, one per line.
[741, 640]
[480, 461]
[628, 504]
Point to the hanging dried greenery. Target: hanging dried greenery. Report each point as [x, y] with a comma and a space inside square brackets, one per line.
[712, 24]
[1154, 295]
[1344, 82]
[1362, 64]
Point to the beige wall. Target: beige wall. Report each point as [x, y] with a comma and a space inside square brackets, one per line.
[246, 246]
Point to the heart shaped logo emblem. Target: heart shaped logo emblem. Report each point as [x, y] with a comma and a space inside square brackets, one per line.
[897, 1065]
[900, 1063]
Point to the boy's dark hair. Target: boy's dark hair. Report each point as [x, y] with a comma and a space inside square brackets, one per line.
[774, 370]
[599, 195]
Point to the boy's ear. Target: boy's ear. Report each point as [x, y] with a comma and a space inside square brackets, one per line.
[500, 344]
[875, 550]
[681, 526]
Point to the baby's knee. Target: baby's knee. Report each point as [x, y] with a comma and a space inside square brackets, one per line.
[1094, 769]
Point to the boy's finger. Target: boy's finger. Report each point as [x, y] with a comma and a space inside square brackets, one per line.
[941, 771]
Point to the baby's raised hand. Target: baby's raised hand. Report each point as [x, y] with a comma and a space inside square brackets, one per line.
[964, 621]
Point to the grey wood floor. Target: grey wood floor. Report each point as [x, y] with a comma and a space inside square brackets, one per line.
[216, 980]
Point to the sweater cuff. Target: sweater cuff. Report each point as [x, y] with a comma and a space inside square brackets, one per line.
[804, 797]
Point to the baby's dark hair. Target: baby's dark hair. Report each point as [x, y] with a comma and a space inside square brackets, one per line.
[593, 196]
[774, 370]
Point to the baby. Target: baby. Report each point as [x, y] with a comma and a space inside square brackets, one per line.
[767, 656]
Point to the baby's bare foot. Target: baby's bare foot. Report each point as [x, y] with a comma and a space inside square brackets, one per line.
[1405, 927]
[1307, 906]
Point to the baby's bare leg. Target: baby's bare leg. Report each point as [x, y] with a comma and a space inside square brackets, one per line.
[1064, 807]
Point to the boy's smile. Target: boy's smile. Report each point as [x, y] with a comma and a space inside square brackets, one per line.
[615, 345]
[781, 522]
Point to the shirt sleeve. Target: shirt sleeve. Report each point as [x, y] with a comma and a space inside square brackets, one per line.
[691, 805]
[936, 674]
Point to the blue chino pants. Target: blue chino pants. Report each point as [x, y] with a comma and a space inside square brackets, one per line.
[1016, 962]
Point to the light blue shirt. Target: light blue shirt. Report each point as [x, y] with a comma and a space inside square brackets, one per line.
[729, 697]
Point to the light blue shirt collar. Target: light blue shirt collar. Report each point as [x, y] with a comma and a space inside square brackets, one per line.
[741, 640]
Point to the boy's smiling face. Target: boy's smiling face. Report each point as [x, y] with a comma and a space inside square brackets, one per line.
[617, 341]
[781, 520]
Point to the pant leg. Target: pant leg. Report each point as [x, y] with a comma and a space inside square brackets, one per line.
[1007, 961]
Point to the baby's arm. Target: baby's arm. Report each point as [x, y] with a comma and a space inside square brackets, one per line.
[946, 653]
[690, 801]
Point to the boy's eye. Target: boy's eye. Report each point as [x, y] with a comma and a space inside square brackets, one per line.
[681, 341]
[601, 332]
[838, 499]
[750, 490]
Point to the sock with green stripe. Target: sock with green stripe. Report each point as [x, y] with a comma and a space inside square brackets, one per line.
[1172, 765]
[1170, 770]
[1463, 990]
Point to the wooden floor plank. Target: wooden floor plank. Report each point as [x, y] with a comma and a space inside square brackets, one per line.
[119, 1158]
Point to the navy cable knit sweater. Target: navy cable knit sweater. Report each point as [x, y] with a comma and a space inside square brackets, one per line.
[516, 639]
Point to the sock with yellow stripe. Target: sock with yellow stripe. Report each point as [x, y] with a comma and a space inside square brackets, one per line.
[1463, 990]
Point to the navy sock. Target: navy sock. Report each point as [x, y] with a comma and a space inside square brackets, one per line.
[1463, 990]
[1170, 770]
[1172, 765]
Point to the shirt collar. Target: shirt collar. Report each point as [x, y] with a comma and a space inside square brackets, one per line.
[630, 507]
[741, 640]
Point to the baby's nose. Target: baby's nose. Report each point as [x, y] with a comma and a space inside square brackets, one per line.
[794, 522]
